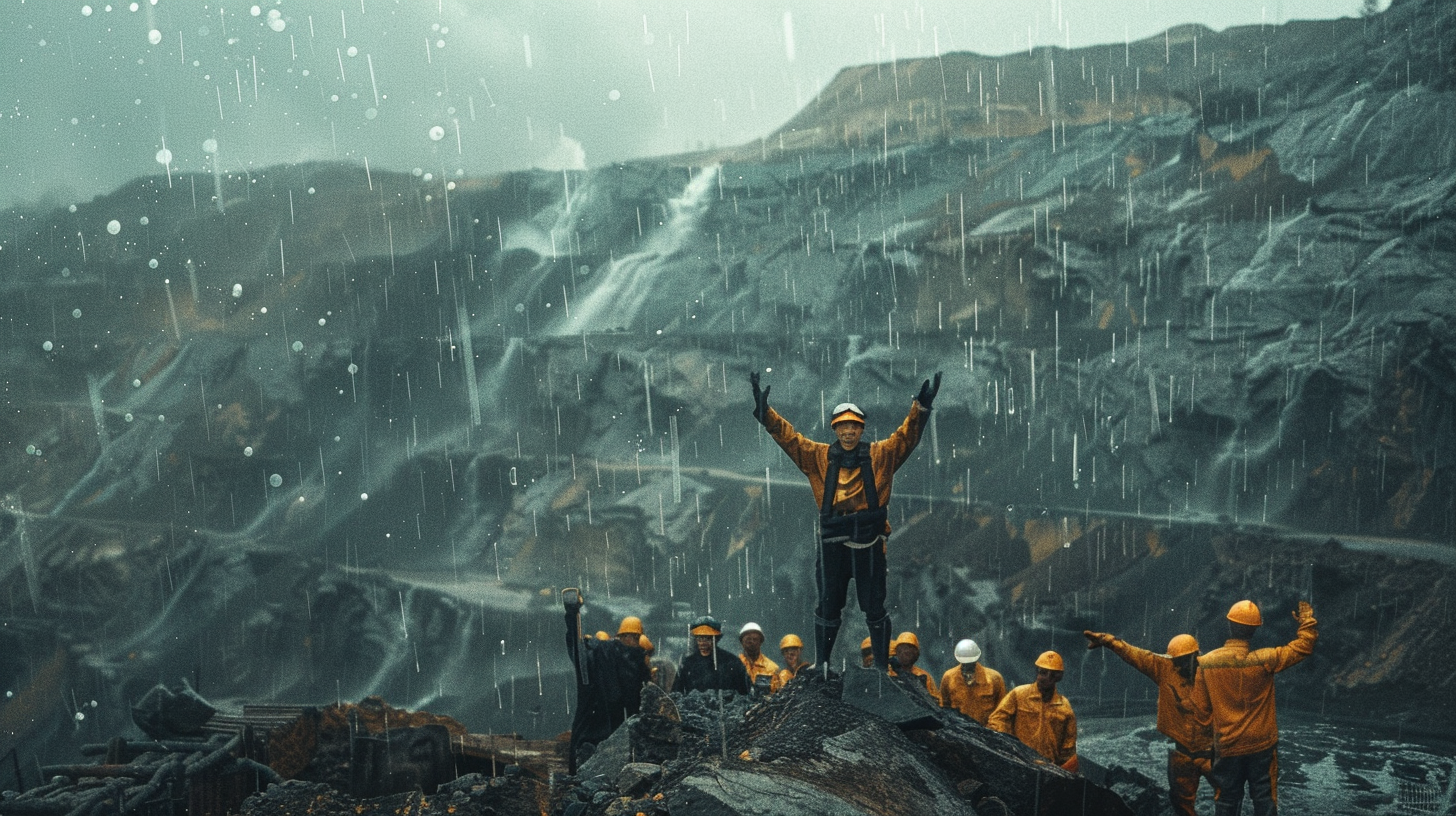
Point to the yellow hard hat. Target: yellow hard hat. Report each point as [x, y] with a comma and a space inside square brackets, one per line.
[790, 641]
[601, 635]
[706, 625]
[864, 645]
[1247, 613]
[646, 643]
[908, 638]
[631, 625]
[1051, 661]
[1182, 645]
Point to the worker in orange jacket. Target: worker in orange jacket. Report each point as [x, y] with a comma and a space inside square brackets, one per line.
[907, 651]
[1040, 717]
[760, 668]
[969, 687]
[853, 522]
[1236, 685]
[1179, 719]
[791, 647]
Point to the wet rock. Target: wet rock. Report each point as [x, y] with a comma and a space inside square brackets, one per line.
[637, 778]
[877, 693]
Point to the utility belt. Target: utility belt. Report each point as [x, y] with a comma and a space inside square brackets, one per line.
[856, 530]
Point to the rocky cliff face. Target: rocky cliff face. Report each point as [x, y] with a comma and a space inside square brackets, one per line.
[318, 432]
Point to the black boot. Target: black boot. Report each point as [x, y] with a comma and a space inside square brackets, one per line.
[825, 633]
[880, 641]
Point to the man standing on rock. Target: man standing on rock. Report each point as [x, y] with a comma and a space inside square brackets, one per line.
[853, 522]
[708, 667]
[1236, 685]
[609, 679]
[969, 687]
[1040, 717]
[1179, 719]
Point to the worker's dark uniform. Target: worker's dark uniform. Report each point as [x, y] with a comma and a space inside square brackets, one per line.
[609, 679]
[719, 670]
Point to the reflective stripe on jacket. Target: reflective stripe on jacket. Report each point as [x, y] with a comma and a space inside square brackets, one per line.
[1050, 729]
[1237, 686]
[886, 456]
[1178, 717]
[976, 699]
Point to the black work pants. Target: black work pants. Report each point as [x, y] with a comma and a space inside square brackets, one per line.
[1259, 771]
[837, 564]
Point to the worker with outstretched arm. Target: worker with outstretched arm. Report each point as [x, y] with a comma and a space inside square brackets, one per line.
[1179, 719]
[1236, 685]
[853, 524]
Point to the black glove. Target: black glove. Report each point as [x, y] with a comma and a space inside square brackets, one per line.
[760, 399]
[928, 390]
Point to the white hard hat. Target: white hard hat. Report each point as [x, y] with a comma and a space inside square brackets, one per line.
[749, 627]
[967, 651]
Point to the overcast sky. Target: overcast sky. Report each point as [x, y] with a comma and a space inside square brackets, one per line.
[96, 93]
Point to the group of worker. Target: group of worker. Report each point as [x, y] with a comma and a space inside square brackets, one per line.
[1218, 708]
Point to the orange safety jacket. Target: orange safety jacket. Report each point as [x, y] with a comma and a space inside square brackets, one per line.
[916, 671]
[1050, 729]
[760, 672]
[886, 456]
[1179, 718]
[784, 675]
[1237, 686]
[976, 699]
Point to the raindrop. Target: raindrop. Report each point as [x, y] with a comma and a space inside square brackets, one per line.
[113, 226]
[164, 156]
[85, 12]
[144, 220]
[353, 368]
[363, 497]
[65, 271]
[152, 264]
[297, 345]
[353, 52]
[209, 145]
[30, 450]
[614, 94]
[128, 416]
[310, 191]
[136, 383]
[248, 451]
[10, 694]
[80, 716]
[47, 345]
[437, 133]
[370, 113]
[237, 290]
[277, 24]
[76, 313]
[322, 321]
[72, 208]
[275, 480]
[263, 310]
[154, 37]
[255, 11]
[161, 417]
[520, 307]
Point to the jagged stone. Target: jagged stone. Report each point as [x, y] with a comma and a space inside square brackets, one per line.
[636, 778]
[874, 691]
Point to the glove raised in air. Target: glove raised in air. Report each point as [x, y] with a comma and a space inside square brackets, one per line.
[928, 390]
[760, 398]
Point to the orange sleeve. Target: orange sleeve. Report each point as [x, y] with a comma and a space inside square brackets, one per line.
[898, 446]
[1004, 717]
[809, 456]
[1141, 659]
[1280, 658]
